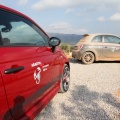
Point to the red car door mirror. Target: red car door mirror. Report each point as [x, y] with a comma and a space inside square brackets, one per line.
[54, 41]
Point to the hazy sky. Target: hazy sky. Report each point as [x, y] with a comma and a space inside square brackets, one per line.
[71, 16]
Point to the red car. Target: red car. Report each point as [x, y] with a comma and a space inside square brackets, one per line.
[33, 69]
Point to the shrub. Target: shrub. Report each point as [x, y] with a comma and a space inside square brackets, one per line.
[66, 47]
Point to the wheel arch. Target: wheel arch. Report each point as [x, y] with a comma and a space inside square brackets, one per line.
[68, 64]
[94, 53]
[65, 81]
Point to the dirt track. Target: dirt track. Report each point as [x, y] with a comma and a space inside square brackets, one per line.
[94, 94]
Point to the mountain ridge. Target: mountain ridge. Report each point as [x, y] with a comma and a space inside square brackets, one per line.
[67, 38]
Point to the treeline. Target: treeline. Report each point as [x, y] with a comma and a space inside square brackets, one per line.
[67, 48]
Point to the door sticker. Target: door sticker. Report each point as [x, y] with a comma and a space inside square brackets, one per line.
[37, 75]
[35, 64]
[37, 72]
[45, 67]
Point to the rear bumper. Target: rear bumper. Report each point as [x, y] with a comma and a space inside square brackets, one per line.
[76, 54]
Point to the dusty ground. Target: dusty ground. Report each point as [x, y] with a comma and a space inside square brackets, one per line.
[94, 94]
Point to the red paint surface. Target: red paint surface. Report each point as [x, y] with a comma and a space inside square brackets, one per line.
[19, 93]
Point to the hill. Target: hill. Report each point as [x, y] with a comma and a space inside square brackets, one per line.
[67, 38]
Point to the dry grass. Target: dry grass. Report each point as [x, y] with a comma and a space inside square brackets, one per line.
[68, 55]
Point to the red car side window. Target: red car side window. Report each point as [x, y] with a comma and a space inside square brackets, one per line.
[17, 31]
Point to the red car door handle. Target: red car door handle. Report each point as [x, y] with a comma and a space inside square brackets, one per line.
[14, 70]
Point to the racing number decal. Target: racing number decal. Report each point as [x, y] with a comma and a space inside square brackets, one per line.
[37, 75]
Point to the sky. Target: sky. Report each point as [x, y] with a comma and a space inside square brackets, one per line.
[71, 16]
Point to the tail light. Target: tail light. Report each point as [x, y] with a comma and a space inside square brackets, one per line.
[79, 47]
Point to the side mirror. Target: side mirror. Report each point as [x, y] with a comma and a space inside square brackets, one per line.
[54, 42]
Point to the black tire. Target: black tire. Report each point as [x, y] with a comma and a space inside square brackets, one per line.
[88, 58]
[65, 79]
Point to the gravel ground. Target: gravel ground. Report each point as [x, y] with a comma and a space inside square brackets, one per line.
[94, 94]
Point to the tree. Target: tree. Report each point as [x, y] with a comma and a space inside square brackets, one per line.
[67, 48]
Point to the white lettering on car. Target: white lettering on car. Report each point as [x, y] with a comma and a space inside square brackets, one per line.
[45, 67]
[37, 75]
[35, 64]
